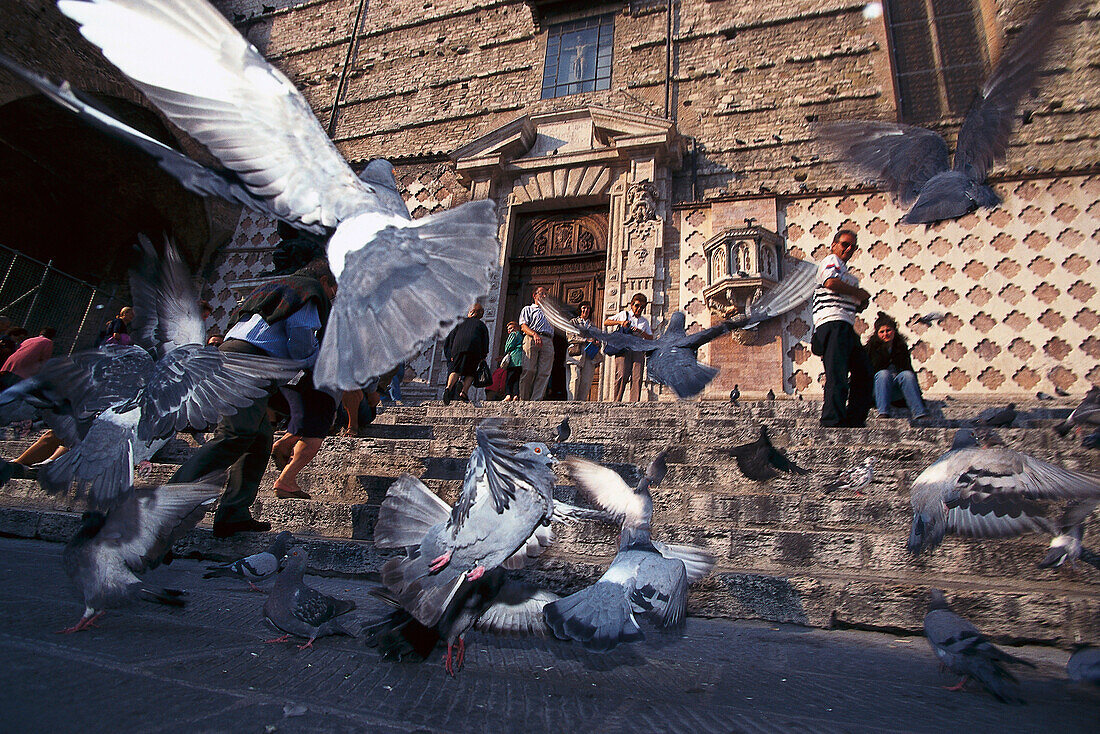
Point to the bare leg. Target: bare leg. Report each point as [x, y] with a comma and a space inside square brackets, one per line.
[304, 451]
[350, 401]
[283, 449]
[40, 450]
[466, 382]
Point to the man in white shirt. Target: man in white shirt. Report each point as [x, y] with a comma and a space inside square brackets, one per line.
[836, 301]
[631, 365]
[538, 349]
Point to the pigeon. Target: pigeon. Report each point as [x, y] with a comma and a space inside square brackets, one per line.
[998, 417]
[991, 493]
[489, 604]
[671, 357]
[735, 394]
[256, 567]
[506, 495]
[1067, 542]
[1043, 396]
[563, 431]
[932, 317]
[912, 162]
[189, 384]
[965, 651]
[1084, 665]
[1091, 441]
[640, 582]
[1085, 416]
[770, 396]
[760, 460]
[1060, 392]
[856, 479]
[107, 553]
[296, 609]
[402, 282]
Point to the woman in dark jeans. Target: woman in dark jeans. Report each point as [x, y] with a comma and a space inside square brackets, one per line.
[466, 346]
[893, 369]
[513, 360]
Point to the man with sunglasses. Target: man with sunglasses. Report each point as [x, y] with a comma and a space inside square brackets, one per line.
[630, 365]
[836, 301]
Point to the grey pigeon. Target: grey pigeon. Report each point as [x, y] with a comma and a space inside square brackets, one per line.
[402, 282]
[965, 651]
[490, 603]
[188, 385]
[256, 567]
[997, 417]
[932, 317]
[109, 550]
[991, 493]
[1043, 396]
[912, 162]
[856, 479]
[640, 582]
[761, 461]
[1060, 392]
[1067, 543]
[300, 610]
[505, 496]
[671, 357]
[735, 394]
[1085, 417]
[1084, 665]
[562, 431]
[770, 396]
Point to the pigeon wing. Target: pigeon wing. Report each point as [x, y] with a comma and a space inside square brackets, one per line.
[697, 561]
[494, 465]
[660, 590]
[166, 306]
[196, 386]
[900, 158]
[517, 609]
[315, 608]
[993, 471]
[143, 527]
[995, 516]
[561, 316]
[607, 489]
[197, 69]
[679, 369]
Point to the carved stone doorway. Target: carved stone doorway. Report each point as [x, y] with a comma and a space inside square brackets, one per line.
[565, 251]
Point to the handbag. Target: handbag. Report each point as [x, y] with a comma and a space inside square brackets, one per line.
[592, 350]
[482, 376]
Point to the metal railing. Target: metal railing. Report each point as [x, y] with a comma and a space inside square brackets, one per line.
[34, 295]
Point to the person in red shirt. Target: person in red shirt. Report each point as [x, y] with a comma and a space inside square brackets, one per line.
[28, 358]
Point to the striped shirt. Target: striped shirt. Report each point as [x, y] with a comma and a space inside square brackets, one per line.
[828, 305]
[532, 317]
[294, 337]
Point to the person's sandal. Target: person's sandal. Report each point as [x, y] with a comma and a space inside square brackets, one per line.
[296, 494]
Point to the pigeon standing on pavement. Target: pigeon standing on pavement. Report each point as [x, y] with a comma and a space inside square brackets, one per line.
[562, 431]
[506, 495]
[109, 550]
[735, 394]
[296, 609]
[256, 567]
[641, 580]
[760, 460]
[1085, 417]
[1084, 665]
[856, 479]
[998, 417]
[992, 493]
[402, 282]
[965, 651]
[672, 357]
[912, 162]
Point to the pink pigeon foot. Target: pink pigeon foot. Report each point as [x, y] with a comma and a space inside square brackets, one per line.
[958, 686]
[144, 468]
[82, 624]
[453, 663]
[438, 563]
[284, 638]
[476, 573]
[308, 645]
[253, 587]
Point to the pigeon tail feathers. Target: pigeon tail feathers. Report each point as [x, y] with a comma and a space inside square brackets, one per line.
[599, 617]
[409, 511]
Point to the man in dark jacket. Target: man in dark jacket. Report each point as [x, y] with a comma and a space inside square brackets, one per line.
[280, 318]
[465, 347]
[893, 369]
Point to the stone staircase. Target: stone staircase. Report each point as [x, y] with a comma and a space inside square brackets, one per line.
[787, 550]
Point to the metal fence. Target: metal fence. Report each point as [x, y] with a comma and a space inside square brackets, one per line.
[34, 295]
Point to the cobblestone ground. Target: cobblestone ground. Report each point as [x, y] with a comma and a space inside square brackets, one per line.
[206, 668]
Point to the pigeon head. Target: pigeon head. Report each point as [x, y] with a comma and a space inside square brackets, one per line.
[537, 451]
[281, 544]
[937, 599]
[380, 173]
[676, 322]
[295, 562]
[964, 439]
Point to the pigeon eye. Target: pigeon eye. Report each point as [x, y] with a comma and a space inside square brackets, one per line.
[538, 451]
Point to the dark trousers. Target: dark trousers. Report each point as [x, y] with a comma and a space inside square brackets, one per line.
[241, 444]
[848, 382]
[512, 381]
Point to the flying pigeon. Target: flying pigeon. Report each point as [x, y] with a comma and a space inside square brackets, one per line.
[735, 394]
[641, 580]
[256, 567]
[189, 384]
[991, 493]
[1084, 417]
[932, 317]
[965, 651]
[671, 357]
[402, 282]
[563, 431]
[1084, 665]
[109, 550]
[505, 496]
[856, 479]
[998, 417]
[1067, 542]
[760, 460]
[912, 162]
[296, 609]
[489, 604]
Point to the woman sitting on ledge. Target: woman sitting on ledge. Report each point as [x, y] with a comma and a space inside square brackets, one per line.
[893, 369]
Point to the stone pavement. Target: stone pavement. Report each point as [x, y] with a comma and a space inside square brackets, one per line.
[206, 668]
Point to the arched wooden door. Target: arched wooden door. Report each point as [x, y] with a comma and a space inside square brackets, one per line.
[566, 252]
